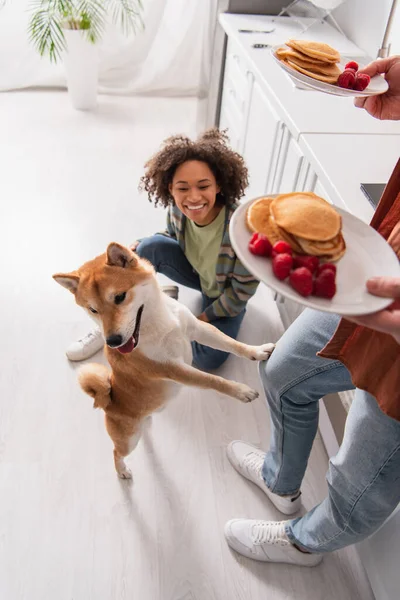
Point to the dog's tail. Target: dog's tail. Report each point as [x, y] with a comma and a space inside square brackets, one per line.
[95, 380]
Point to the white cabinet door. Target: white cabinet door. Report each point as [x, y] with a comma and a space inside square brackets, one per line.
[290, 166]
[310, 178]
[262, 142]
[236, 94]
[321, 191]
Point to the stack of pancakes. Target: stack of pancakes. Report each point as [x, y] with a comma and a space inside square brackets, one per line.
[307, 222]
[315, 59]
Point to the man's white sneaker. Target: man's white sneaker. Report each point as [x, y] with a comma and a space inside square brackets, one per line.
[248, 461]
[87, 346]
[266, 541]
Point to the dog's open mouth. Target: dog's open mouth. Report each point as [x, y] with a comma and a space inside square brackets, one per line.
[134, 339]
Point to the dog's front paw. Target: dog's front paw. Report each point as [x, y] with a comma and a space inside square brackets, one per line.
[261, 352]
[245, 393]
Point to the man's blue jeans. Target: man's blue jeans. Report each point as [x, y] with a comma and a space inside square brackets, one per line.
[167, 257]
[364, 477]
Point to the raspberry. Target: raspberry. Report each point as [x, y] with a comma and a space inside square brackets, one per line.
[281, 247]
[324, 284]
[309, 262]
[260, 245]
[282, 265]
[301, 280]
[362, 82]
[352, 65]
[326, 267]
[347, 79]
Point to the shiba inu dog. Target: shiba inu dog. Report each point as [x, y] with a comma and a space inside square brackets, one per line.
[148, 346]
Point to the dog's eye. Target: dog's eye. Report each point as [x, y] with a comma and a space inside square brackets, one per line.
[120, 298]
[93, 310]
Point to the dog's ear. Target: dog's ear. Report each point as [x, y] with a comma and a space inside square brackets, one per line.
[119, 256]
[68, 280]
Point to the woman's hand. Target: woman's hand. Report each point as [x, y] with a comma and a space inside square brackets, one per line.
[203, 317]
[388, 320]
[384, 106]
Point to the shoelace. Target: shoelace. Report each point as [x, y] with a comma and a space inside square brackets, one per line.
[86, 339]
[270, 533]
[253, 462]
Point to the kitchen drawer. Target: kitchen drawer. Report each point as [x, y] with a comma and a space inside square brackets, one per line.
[232, 120]
[234, 56]
[237, 88]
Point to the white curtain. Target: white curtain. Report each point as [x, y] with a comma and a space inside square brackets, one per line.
[171, 57]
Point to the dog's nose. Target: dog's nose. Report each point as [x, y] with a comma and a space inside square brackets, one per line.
[114, 340]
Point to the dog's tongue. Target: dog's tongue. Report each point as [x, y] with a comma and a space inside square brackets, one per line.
[128, 347]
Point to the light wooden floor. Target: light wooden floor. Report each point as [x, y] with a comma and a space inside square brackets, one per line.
[69, 529]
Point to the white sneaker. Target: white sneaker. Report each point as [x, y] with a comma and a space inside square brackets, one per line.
[171, 290]
[87, 346]
[266, 541]
[248, 461]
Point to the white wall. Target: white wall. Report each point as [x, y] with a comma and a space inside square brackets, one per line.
[364, 22]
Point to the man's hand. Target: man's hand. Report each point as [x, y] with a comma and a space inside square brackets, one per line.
[388, 320]
[203, 317]
[384, 106]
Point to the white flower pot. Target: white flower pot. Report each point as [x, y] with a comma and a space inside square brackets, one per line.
[81, 62]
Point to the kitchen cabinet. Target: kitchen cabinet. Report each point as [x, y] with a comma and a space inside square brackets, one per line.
[262, 142]
[290, 163]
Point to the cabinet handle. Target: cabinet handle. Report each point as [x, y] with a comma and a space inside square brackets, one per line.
[279, 298]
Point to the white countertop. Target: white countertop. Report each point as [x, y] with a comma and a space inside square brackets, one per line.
[303, 111]
[343, 162]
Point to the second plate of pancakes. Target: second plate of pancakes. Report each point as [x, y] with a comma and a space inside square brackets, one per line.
[325, 70]
[367, 255]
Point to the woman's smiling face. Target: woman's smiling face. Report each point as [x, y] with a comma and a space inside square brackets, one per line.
[194, 190]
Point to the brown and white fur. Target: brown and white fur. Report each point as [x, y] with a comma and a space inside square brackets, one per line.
[142, 380]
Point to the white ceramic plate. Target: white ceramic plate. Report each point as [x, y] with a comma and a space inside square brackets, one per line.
[377, 85]
[367, 255]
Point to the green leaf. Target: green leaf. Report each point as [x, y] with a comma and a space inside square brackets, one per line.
[45, 31]
[127, 14]
[50, 16]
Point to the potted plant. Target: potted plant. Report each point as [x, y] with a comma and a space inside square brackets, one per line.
[70, 29]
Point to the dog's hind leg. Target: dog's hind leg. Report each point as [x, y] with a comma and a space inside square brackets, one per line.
[126, 437]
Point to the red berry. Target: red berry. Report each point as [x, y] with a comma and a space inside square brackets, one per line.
[281, 247]
[260, 245]
[301, 280]
[347, 79]
[362, 82]
[309, 262]
[326, 267]
[352, 65]
[324, 284]
[282, 265]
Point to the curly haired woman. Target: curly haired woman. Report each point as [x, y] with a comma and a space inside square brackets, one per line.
[200, 183]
